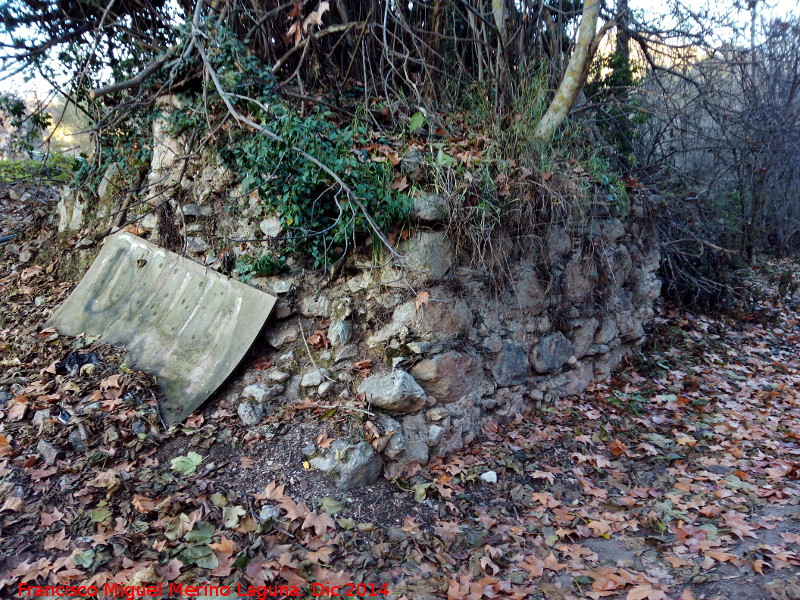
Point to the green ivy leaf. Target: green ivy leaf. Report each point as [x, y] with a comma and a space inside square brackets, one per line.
[201, 534]
[100, 514]
[331, 506]
[202, 556]
[417, 121]
[85, 559]
[187, 464]
[231, 515]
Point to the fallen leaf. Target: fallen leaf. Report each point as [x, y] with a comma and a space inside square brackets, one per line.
[12, 504]
[273, 491]
[5, 447]
[319, 522]
[617, 448]
[143, 504]
[422, 299]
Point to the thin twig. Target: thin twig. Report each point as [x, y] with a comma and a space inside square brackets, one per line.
[308, 349]
[353, 408]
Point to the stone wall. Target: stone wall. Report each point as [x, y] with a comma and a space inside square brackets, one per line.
[448, 347]
[468, 350]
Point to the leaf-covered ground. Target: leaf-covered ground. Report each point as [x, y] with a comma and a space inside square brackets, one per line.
[677, 479]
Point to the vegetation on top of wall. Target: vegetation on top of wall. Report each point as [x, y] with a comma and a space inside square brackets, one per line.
[52, 168]
[320, 220]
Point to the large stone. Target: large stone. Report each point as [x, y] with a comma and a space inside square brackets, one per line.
[393, 392]
[450, 376]
[618, 264]
[444, 317]
[551, 353]
[511, 365]
[109, 183]
[612, 230]
[427, 255]
[435, 433]
[461, 425]
[278, 376]
[279, 337]
[397, 441]
[630, 326]
[352, 465]
[314, 305]
[346, 353]
[196, 245]
[196, 211]
[607, 332]
[314, 378]
[149, 222]
[559, 243]
[261, 393]
[168, 152]
[292, 392]
[70, 210]
[415, 431]
[79, 439]
[530, 293]
[579, 377]
[583, 336]
[276, 285]
[250, 412]
[49, 453]
[580, 280]
[413, 165]
[647, 287]
[429, 208]
[339, 333]
[271, 227]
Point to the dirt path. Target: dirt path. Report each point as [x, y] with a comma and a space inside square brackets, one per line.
[677, 479]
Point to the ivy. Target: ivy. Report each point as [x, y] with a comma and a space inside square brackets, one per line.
[319, 219]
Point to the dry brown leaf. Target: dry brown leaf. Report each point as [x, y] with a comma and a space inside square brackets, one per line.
[738, 524]
[720, 556]
[617, 448]
[552, 564]
[194, 420]
[294, 511]
[645, 592]
[315, 18]
[363, 367]
[323, 441]
[5, 447]
[323, 555]
[422, 299]
[112, 381]
[143, 504]
[295, 34]
[533, 565]
[224, 546]
[319, 522]
[48, 519]
[12, 504]
[57, 541]
[400, 184]
[17, 408]
[319, 339]
[134, 229]
[273, 491]
[410, 525]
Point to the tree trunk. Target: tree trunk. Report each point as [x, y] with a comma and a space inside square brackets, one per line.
[573, 76]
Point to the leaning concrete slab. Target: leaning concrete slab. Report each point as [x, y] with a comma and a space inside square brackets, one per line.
[180, 321]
